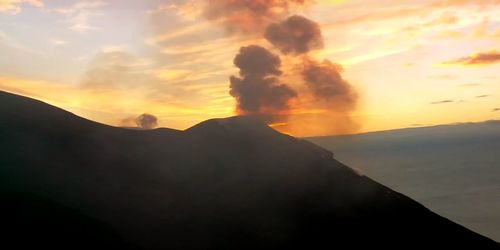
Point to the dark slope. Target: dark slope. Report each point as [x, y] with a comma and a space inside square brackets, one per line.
[30, 221]
[222, 184]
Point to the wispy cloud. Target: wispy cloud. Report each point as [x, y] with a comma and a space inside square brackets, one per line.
[14, 6]
[495, 109]
[117, 69]
[79, 15]
[404, 10]
[444, 77]
[471, 85]
[58, 42]
[15, 44]
[443, 102]
[184, 31]
[450, 34]
[370, 56]
[190, 10]
[482, 96]
[483, 58]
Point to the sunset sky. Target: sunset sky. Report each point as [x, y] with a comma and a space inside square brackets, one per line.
[411, 63]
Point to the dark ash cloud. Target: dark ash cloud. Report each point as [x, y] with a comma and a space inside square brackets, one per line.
[249, 16]
[325, 81]
[257, 95]
[296, 34]
[443, 102]
[327, 101]
[257, 61]
[258, 90]
[484, 58]
[146, 121]
[495, 109]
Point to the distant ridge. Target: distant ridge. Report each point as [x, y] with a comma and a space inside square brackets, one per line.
[223, 184]
[430, 127]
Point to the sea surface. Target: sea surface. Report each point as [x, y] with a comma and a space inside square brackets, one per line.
[454, 170]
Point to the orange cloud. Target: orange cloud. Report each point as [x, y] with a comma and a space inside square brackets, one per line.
[483, 58]
[249, 16]
[79, 15]
[406, 9]
[443, 102]
[450, 34]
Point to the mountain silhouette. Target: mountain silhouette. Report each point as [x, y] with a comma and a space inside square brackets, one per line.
[233, 183]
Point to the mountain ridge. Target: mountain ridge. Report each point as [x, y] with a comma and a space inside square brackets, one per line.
[404, 129]
[221, 184]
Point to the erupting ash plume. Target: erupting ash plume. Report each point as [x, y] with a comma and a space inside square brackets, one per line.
[249, 16]
[323, 105]
[258, 61]
[296, 34]
[258, 90]
[326, 84]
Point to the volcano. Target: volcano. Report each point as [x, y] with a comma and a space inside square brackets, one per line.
[67, 182]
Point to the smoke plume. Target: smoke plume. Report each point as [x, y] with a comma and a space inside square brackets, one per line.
[146, 121]
[326, 83]
[258, 90]
[257, 61]
[325, 101]
[296, 34]
[249, 16]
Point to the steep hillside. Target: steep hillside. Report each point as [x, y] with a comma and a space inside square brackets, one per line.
[223, 184]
